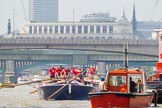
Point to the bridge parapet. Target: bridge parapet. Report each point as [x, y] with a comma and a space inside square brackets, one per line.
[139, 46]
[78, 41]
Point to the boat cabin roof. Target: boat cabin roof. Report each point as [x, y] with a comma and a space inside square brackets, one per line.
[123, 71]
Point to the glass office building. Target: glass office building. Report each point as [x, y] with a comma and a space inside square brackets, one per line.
[43, 11]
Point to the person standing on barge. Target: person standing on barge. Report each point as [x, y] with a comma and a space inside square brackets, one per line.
[102, 85]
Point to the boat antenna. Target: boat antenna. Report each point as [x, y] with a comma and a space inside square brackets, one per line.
[126, 56]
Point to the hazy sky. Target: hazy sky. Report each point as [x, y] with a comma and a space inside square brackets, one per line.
[145, 10]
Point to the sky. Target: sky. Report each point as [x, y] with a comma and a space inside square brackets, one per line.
[146, 10]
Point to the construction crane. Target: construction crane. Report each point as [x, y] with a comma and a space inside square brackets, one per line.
[24, 11]
[154, 9]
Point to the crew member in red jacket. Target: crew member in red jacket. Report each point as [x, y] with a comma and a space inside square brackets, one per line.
[52, 71]
[66, 72]
[59, 71]
[78, 71]
[92, 72]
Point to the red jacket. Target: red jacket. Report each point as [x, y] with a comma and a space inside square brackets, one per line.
[76, 71]
[52, 71]
[92, 70]
[67, 70]
[58, 70]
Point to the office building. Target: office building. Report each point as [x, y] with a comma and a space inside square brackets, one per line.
[145, 28]
[41, 11]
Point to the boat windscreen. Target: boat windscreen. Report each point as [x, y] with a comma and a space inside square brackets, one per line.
[117, 80]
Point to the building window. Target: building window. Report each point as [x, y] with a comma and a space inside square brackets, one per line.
[67, 29]
[97, 37]
[45, 29]
[97, 29]
[50, 29]
[90, 37]
[91, 29]
[62, 29]
[56, 29]
[110, 29]
[30, 29]
[104, 29]
[60, 37]
[79, 29]
[40, 29]
[103, 37]
[35, 29]
[85, 29]
[73, 29]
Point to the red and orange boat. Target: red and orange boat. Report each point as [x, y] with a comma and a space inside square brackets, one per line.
[114, 96]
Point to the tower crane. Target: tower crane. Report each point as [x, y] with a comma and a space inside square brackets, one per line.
[154, 9]
[24, 11]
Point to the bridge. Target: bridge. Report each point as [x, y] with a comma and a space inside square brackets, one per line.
[135, 46]
[17, 53]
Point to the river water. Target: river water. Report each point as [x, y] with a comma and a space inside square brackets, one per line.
[19, 97]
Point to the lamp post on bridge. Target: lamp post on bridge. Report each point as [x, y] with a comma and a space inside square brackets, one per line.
[73, 28]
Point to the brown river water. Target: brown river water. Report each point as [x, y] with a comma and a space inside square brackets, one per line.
[19, 97]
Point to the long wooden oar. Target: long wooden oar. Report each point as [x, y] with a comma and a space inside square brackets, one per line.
[36, 90]
[68, 82]
[11, 85]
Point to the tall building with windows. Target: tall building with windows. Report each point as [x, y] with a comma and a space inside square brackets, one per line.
[41, 11]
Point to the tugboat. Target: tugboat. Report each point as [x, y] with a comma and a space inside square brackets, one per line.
[154, 82]
[114, 96]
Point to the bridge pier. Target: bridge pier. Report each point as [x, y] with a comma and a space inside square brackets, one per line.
[80, 59]
[1, 77]
[10, 78]
[10, 74]
[101, 67]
